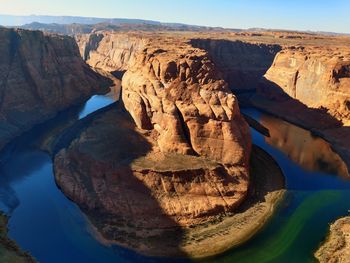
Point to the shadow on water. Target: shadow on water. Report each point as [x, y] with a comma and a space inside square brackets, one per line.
[20, 158]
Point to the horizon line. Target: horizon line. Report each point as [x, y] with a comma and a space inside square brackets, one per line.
[164, 22]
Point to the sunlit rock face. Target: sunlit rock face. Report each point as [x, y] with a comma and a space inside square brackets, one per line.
[317, 77]
[110, 52]
[39, 76]
[312, 153]
[179, 93]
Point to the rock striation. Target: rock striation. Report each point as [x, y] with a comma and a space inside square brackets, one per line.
[177, 92]
[110, 52]
[313, 75]
[39, 76]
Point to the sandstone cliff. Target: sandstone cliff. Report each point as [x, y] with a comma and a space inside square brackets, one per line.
[110, 52]
[317, 77]
[178, 92]
[39, 76]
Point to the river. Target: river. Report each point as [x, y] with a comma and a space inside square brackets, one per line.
[53, 229]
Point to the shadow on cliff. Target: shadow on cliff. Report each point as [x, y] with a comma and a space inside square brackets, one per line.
[118, 74]
[242, 64]
[122, 206]
[273, 99]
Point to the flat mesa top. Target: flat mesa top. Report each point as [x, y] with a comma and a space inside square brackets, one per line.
[282, 38]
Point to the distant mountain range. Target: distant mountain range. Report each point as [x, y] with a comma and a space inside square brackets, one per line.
[71, 25]
[12, 20]
[72, 29]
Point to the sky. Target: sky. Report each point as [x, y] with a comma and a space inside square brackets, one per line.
[316, 15]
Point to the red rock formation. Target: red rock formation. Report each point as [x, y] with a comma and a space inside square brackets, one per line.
[39, 76]
[183, 166]
[317, 77]
[110, 52]
[178, 92]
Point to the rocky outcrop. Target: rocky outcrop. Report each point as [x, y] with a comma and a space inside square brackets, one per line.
[178, 93]
[171, 171]
[317, 77]
[39, 76]
[337, 246]
[243, 64]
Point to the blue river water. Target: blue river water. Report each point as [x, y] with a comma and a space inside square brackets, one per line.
[53, 229]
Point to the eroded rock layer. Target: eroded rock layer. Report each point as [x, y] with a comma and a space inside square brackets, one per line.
[108, 51]
[317, 77]
[179, 94]
[39, 76]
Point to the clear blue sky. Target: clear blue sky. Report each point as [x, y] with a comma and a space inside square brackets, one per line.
[330, 15]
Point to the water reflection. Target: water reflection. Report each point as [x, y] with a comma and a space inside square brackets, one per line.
[310, 152]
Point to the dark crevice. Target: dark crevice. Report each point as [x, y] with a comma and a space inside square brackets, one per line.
[92, 44]
[186, 131]
[295, 84]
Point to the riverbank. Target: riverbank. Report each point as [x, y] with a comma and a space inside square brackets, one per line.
[9, 250]
[337, 246]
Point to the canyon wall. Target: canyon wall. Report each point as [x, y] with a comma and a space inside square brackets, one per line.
[39, 76]
[317, 77]
[243, 64]
[108, 51]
